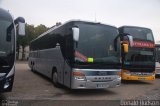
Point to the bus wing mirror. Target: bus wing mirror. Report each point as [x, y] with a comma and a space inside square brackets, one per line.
[21, 29]
[129, 37]
[20, 21]
[75, 34]
[130, 40]
[125, 48]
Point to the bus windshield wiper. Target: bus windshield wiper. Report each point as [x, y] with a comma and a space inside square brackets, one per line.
[110, 59]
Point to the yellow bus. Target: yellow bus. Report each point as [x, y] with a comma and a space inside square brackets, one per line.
[139, 62]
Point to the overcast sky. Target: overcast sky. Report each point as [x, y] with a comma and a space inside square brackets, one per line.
[145, 13]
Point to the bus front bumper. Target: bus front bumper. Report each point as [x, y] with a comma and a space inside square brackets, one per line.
[6, 83]
[88, 84]
[137, 77]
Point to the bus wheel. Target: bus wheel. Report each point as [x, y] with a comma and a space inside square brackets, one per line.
[32, 69]
[55, 79]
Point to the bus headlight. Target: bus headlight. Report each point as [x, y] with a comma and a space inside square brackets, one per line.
[79, 76]
[126, 72]
[7, 83]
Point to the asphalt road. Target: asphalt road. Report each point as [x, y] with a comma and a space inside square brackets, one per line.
[33, 86]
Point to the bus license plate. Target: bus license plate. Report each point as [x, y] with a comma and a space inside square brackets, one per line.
[102, 86]
[141, 78]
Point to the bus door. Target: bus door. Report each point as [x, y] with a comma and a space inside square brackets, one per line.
[68, 52]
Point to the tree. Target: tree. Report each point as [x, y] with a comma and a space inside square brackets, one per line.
[40, 29]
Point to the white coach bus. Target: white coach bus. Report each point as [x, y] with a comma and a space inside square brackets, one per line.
[8, 48]
[78, 55]
[157, 59]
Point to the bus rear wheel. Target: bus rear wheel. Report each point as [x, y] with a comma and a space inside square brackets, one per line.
[32, 68]
[55, 79]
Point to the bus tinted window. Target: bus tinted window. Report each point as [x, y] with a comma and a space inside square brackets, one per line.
[140, 33]
[6, 47]
[96, 42]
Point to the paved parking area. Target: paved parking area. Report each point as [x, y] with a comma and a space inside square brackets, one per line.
[33, 86]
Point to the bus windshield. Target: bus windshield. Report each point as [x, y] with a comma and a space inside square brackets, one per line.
[96, 44]
[6, 47]
[157, 53]
[139, 33]
[139, 56]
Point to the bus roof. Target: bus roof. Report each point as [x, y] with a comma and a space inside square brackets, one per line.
[128, 26]
[71, 21]
[5, 15]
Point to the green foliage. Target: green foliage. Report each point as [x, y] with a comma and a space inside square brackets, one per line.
[40, 29]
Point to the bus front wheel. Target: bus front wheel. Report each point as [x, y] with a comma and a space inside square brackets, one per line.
[32, 67]
[55, 79]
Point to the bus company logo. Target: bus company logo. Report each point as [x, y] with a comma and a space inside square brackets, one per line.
[143, 44]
